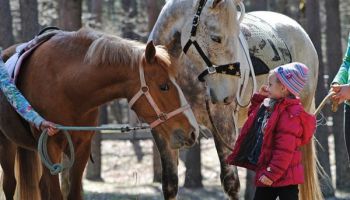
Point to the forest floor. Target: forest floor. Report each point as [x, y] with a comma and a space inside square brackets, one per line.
[127, 176]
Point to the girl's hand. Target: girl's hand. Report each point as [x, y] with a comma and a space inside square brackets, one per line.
[50, 127]
[263, 90]
[265, 180]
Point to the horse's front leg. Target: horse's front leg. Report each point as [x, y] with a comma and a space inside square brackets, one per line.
[169, 158]
[49, 186]
[82, 153]
[229, 174]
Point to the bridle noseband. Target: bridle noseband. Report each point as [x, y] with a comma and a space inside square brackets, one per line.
[229, 69]
[144, 90]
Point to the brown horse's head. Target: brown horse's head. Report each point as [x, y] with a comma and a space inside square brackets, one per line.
[181, 129]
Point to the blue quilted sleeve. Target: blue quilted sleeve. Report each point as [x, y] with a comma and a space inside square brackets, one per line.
[16, 99]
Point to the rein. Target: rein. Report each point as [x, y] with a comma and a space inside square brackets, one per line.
[207, 106]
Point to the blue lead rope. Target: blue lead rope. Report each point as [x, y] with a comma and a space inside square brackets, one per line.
[56, 168]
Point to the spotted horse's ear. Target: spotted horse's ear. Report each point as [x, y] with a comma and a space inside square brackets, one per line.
[216, 3]
[237, 1]
[241, 6]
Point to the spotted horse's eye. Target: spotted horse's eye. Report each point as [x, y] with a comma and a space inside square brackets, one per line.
[164, 87]
[216, 39]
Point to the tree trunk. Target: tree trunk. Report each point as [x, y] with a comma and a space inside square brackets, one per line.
[70, 14]
[279, 5]
[289, 8]
[293, 10]
[130, 7]
[93, 171]
[128, 24]
[334, 59]
[110, 9]
[29, 19]
[6, 35]
[153, 8]
[96, 10]
[314, 30]
[88, 4]
[193, 178]
[257, 5]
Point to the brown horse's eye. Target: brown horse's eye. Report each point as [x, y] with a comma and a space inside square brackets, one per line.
[164, 87]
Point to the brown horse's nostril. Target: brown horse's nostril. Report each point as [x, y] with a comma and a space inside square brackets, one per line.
[180, 139]
[193, 136]
[228, 100]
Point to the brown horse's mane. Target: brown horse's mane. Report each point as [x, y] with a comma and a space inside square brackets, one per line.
[107, 50]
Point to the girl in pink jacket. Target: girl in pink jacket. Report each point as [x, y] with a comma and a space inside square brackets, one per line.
[270, 140]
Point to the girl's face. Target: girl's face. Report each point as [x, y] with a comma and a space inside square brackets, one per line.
[275, 88]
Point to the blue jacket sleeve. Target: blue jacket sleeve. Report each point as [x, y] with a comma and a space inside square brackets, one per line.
[16, 99]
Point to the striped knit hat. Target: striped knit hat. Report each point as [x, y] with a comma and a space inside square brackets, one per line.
[293, 76]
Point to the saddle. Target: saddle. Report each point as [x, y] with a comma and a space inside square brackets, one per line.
[24, 50]
[266, 49]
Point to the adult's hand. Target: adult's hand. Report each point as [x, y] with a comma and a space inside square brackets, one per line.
[342, 93]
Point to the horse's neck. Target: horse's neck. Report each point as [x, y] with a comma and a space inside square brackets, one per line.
[106, 83]
[167, 30]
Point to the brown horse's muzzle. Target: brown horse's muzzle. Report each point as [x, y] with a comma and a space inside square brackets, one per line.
[180, 139]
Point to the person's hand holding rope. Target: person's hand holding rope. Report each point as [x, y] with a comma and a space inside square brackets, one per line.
[342, 93]
[49, 126]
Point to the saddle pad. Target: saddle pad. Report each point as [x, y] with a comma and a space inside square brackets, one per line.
[13, 64]
[267, 50]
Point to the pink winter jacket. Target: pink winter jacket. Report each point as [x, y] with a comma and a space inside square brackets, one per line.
[288, 128]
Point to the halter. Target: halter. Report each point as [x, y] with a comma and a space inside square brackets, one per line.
[144, 90]
[229, 69]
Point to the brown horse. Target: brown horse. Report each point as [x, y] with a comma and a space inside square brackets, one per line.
[66, 79]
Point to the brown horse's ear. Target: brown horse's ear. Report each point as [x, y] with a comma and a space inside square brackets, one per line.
[150, 52]
[216, 3]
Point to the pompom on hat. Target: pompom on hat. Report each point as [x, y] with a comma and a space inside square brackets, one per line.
[293, 76]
